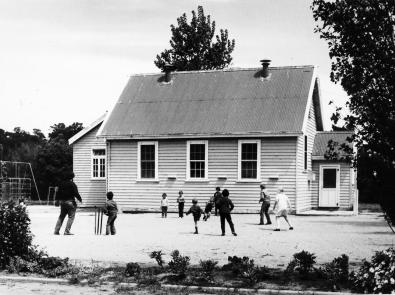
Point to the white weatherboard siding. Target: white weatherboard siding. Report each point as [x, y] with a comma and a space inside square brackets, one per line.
[346, 191]
[93, 192]
[304, 186]
[277, 169]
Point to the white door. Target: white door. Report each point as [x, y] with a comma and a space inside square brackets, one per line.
[329, 185]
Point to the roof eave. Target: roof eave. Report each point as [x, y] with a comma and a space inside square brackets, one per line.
[86, 130]
[179, 136]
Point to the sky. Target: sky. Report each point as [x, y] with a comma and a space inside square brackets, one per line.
[68, 60]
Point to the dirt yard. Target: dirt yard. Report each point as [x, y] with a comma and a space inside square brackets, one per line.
[139, 234]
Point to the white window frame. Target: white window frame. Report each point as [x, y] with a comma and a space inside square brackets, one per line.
[258, 161]
[99, 158]
[188, 164]
[139, 144]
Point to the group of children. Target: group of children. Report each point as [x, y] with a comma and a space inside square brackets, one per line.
[220, 201]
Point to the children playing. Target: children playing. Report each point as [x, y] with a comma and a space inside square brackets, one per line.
[283, 204]
[265, 199]
[225, 206]
[181, 202]
[196, 212]
[164, 204]
[208, 208]
[111, 210]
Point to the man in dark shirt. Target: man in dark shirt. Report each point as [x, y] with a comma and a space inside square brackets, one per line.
[67, 193]
[225, 206]
[217, 196]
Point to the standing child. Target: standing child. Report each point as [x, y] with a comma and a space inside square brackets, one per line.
[111, 210]
[225, 206]
[196, 212]
[217, 196]
[208, 208]
[164, 204]
[265, 199]
[181, 202]
[283, 204]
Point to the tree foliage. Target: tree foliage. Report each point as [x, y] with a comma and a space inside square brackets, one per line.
[361, 39]
[192, 46]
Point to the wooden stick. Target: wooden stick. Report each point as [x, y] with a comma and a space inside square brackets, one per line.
[101, 220]
[95, 220]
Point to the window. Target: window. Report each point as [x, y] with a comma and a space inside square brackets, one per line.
[249, 160]
[305, 152]
[197, 160]
[98, 163]
[147, 161]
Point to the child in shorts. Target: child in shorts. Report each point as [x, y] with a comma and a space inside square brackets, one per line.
[283, 204]
[208, 208]
[196, 212]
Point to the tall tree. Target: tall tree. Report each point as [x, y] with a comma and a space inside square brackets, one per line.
[361, 39]
[192, 46]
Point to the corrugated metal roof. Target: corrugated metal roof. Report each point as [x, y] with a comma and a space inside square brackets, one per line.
[212, 102]
[322, 138]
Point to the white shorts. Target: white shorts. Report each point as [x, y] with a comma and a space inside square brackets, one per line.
[283, 213]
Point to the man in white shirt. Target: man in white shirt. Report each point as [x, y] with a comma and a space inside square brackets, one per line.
[283, 204]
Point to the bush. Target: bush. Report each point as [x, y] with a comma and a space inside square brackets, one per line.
[132, 269]
[178, 264]
[302, 262]
[245, 268]
[15, 235]
[158, 256]
[336, 272]
[208, 267]
[377, 276]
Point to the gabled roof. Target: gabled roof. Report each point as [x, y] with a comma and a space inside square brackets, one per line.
[86, 130]
[235, 102]
[322, 138]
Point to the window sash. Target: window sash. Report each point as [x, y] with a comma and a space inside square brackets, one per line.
[249, 160]
[98, 163]
[197, 160]
[147, 160]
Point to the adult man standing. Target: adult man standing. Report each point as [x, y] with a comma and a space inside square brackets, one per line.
[67, 193]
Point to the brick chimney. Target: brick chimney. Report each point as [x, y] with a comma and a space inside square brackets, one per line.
[265, 67]
[168, 68]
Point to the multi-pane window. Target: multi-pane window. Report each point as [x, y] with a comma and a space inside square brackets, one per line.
[197, 160]
[249, 160]
[148, 166]
[99, 163]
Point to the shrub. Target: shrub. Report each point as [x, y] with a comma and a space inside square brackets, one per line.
[302, 262]
[377, 276]
[132, 269]
[336, 272]
[208, 267]
[158, 256]
[15, 235]
[178, 264]
[245, 268]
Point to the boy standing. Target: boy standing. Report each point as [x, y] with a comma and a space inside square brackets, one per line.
[111, 210]
[217, 196]
[196, 212]
[181, 202]
[265, 199]
[164, 204]
[283, 204]
[225, 206]
[208, 208]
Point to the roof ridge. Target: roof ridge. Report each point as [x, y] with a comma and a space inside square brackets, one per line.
[236, 69]
[344, 131]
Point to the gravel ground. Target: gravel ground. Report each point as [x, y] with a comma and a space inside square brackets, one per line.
[139, 234]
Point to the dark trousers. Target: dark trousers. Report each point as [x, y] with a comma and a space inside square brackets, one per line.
[66, 208]
[164, 211]
[265, 212]
[228, 218]
[110, 227]
[181, 209]
[216, 209]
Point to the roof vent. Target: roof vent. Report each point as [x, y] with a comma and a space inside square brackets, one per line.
[168, 68]
[265, 67]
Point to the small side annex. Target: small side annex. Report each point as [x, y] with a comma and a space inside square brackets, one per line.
[193, 131]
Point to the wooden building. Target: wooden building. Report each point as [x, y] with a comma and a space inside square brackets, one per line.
[194, 131]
